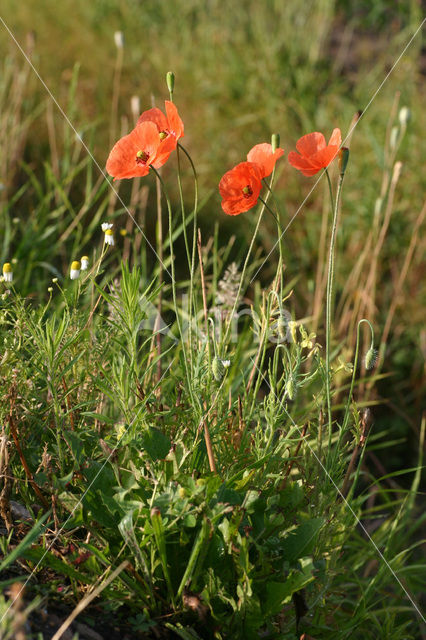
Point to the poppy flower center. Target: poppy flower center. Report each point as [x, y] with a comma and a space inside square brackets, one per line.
[247, 191]
[163, 134]
[141, 157]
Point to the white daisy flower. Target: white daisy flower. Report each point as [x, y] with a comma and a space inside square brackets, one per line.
[109, 237]
[7, 272]
[84, 263]
[75, 270]
[106, 225]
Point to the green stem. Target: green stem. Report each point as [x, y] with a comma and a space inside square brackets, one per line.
[329, 299]
[280, 234]
[194, 242]
[355, 366]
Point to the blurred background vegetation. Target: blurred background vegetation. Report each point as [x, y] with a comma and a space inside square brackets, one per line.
[243, 70]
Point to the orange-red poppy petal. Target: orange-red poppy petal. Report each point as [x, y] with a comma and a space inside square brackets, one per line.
[263, 155]
[310, 143]
[154, 115]
[335, 138]
[145, 137]
[323, 158]
[123, 158]
[175, 124]
[302, 164]
[164, 150]
[240, 188]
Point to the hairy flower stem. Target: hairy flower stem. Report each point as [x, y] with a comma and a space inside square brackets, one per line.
[191, 260]
[277, 218]
[329, 299]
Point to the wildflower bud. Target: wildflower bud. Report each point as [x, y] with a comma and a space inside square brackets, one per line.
[119, 39]
[109, 237]
[182, 492]
[404, 116]
[275, 141]
[170, 79]
[7, 272]
[393, 137]
[50, 289]
[218, 369]
[289, 389]
[123, 232]
[155, 512]
[75, 270]
[371, 358]
[343, 159]
[84, 263]
[54, 280]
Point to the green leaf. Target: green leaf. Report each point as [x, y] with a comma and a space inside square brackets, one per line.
[300, 541]
[156, 443]
[278, 593]
[25, 543]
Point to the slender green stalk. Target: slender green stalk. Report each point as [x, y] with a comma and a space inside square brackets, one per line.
[329, 300]
[277, 219]
[191, 260]
[355, 366]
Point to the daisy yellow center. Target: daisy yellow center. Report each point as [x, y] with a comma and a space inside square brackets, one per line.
[247, 191]
[141, 157]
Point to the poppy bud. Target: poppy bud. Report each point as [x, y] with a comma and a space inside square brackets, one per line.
[275, 141]
[155, 512]
[218, 369]
[343, 159]
[170, 79]
[370, 358]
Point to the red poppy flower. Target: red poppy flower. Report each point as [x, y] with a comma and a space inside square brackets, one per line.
[169, 127]
[263, 155]
[133, 154]
[314, 154]
[240, 188]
